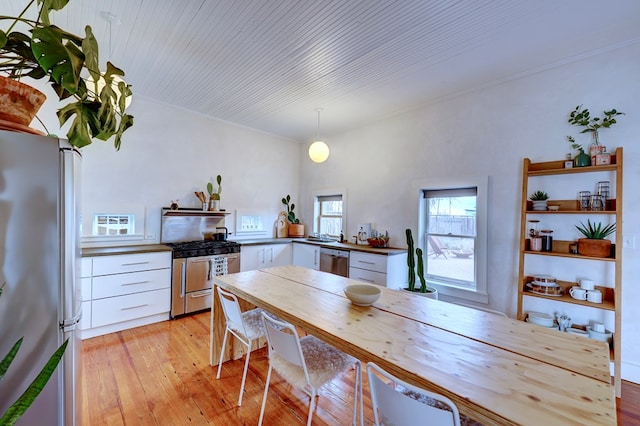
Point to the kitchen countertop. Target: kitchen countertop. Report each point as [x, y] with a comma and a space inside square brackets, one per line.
[131, 249]
[149, 248]
[335, 245]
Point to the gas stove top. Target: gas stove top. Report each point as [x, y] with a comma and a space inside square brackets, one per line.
[203, 248]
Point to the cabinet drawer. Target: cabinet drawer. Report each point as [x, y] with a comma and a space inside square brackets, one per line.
[86, 266]
[371, 277]
[372, 262]
[85, 286]
[134, 282]
[131, 306]
[198, 300]
[105, 265]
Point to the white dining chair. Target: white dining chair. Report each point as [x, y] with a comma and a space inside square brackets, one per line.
[246, 326]
[306, 363]
[396, 402]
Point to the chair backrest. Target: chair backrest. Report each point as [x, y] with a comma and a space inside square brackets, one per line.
[392, 405]
[283, 341]
[231, 310]
[436, 244]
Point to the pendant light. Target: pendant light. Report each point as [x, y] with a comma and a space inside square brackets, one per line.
[116, 79]
[318, 150]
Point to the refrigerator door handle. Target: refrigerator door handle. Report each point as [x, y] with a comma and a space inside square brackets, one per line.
[71, 323]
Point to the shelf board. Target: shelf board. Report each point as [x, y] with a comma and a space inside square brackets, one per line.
[557, 168]
[561, 249]
[608, 295]
[193, 212]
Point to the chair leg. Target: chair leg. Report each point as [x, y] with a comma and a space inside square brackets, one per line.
[224, 342]
[244, 373]
[312, 406]
[359, 393]
[264, 398]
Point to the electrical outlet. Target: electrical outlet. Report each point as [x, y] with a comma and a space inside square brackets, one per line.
[628, 241]
[149, 236]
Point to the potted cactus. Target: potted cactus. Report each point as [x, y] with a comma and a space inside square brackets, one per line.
[214, 197]
[296, 229]
[424, 289]
[594, 244]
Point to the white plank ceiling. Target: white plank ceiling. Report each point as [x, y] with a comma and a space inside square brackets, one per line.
[267, 64]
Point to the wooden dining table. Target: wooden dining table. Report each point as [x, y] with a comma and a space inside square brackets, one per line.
[497, 370]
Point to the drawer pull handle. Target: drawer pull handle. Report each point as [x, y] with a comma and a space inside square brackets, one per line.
[135, 283]
[364, 279]
[134, 263]
[134, 307]
[368, 263]
[195, 296]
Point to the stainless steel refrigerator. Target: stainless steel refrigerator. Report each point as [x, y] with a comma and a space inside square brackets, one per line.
[39, 264]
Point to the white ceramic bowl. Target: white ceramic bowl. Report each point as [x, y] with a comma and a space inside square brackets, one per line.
[553, 208]
[605, 337]
[362, 294]
[540, 318]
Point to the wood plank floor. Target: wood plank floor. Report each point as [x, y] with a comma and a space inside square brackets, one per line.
[160, 375]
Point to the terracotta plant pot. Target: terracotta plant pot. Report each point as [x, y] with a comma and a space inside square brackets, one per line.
[594, 248]
[296, 230]
[19, 102]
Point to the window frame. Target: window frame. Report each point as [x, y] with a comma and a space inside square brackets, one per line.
[480, 293]
[317, 195]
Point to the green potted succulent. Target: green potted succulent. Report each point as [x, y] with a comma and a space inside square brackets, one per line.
[594, 243]
[539, 200]
[424, 289]
[95, 100]
[296, 229]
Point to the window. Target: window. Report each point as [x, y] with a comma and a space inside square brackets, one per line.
[329, 217]
[452, 234]
[113, 224]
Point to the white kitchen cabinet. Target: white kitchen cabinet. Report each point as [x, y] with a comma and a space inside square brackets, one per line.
[127, 290]
[381, 269]
[264, 256]
[86, 267]
[306, 255]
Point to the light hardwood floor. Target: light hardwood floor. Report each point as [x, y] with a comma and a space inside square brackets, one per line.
[160, 375]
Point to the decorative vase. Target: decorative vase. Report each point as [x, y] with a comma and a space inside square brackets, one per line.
[594, 248]
[582, 159]
[296, 230]
[539, 204]
[19, 102]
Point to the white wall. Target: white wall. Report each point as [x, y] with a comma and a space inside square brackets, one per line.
[489, 132]
[168, 154]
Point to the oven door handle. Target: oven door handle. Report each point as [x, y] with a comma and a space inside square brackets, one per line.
[183, 279]
[210, 270]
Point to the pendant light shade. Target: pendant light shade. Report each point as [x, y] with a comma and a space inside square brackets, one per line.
[318, 150]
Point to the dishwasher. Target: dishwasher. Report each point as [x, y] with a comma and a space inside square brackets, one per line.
[334, 261]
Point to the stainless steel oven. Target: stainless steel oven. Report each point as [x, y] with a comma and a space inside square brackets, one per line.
[192, 280]
[196, 261]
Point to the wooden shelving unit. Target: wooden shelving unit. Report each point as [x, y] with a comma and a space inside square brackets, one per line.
[611, 292]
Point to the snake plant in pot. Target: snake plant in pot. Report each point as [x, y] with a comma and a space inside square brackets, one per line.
[594, 244]
[18, 407]
[94, 100]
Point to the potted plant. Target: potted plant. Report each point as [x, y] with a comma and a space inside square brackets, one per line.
[17, 409]
[423, 290]
[539, 200]
[594, 244]
[70, 62]
[214, 197]
[582, 118]
[296, 229]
